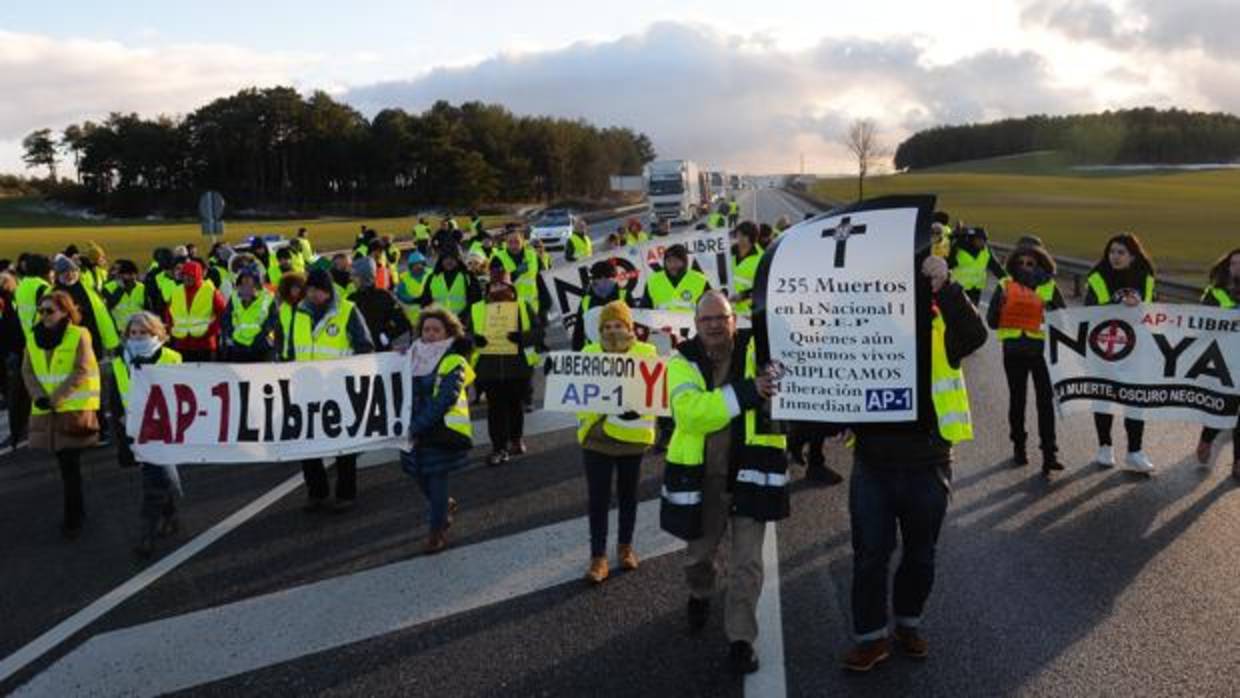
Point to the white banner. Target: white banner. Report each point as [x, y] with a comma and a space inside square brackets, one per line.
[244, 413]
[1157, 362]
[606, 384]
[840, 314]
[567, 283]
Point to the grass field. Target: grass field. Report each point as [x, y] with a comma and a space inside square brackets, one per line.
[1185, 219]
[24, 231]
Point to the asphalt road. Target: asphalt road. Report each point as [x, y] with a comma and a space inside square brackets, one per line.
[1096, 583]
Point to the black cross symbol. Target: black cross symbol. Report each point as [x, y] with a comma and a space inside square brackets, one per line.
[841, 233]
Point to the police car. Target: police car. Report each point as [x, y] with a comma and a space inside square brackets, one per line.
[552, 227]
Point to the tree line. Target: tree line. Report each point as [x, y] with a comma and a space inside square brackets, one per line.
[1130, 136]
[274, 150]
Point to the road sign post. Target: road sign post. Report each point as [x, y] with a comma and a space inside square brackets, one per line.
[211, 213]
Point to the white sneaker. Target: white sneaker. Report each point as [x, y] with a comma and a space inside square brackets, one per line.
[1138, 462]
[1105, 457]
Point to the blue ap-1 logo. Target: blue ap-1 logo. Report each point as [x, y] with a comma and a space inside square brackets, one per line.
[888, 399]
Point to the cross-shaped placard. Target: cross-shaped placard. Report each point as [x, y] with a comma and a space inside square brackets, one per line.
[841, 233]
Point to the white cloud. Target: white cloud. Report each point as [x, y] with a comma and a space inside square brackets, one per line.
[49, 82]
[739, 102]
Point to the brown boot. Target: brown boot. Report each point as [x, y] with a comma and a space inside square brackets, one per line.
[436, 542]
[597, 574]
[628, 558]
[911, 643]
[866, 655]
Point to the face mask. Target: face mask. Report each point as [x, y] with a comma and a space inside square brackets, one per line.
[604, 287]
[142, 347]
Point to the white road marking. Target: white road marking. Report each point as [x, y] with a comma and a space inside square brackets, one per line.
[537, 423]
[189, 650]
[769, 680]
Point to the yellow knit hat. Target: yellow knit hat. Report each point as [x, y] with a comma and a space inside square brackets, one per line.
[616, 310]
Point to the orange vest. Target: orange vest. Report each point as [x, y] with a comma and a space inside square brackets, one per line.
[1022, 309]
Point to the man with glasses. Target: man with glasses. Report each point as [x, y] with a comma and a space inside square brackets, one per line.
[725, 470]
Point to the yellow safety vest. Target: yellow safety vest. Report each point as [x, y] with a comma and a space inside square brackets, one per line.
[307, 251]
[699, 412]
[93, 279]
[682, 297]
[52, 375]
[454, 298]
[413, 288]
[129, 304]
[970, 271]
[478, 321]
[637, 431]
[194, 321]
[457, 416]
[527, 282]
[121, 370]
[286, 329]
[1099, 286]
[327, 340]
[716, 220]
[1045, 291]
[167, 285]
[26, 298]
[1221, 296]
[734, 209]
[421, 232]
[582, 246]
[248, 322]
[635, 238]
[743, 273]
[103, 319]
[947, 389]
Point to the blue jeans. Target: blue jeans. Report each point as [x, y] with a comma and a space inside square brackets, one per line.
[435, 487]
[882, 500]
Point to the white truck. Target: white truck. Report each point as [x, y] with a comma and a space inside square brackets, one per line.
[674, 188]
[718, 186]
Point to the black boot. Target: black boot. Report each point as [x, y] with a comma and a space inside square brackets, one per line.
[699, 612]
[1019, 457]
[741, 658]
[823, 475]
[1050, 463]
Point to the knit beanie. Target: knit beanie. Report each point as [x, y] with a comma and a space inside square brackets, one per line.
[320, 279]
[616, 310]
[364, 270]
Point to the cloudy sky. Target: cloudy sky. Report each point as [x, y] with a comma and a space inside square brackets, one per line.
[746, 86]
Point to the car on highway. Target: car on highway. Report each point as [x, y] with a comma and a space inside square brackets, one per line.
[552, 227]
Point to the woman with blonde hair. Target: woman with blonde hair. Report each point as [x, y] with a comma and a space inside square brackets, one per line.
[144, 340]
[62, 376]
[440, 434]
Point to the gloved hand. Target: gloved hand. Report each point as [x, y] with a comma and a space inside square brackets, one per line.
[630, 416]
[514, 337]
[480, 341]
[43, 403]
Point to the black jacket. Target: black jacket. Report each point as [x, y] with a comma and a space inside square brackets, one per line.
[384, 316]
[918, 444]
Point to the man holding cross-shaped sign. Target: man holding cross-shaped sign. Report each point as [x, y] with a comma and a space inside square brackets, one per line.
[905, 402]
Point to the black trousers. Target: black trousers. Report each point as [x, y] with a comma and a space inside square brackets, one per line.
[505, 411]
[1018, 367]
[1134, 427]
[1208, 435]
[812, 434]
[19, 399]
[70, 462]
[346, 477]
[599, 469]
